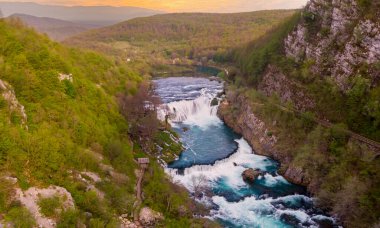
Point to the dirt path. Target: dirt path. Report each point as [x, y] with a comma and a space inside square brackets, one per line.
[139, 199]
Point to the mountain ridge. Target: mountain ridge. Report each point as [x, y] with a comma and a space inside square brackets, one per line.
[83, 14]
[56, 29]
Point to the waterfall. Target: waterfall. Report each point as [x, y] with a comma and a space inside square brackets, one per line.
[197, 112]
[270, 202]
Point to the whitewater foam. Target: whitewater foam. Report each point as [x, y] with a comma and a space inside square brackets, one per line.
[235, 203]
[198, 112]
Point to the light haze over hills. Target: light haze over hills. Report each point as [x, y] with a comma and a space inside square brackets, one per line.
[56, 29]
[92, 15]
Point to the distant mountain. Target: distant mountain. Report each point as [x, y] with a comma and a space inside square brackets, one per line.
[93, 15]
[54, 28]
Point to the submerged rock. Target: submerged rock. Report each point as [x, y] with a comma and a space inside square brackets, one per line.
[250, 175]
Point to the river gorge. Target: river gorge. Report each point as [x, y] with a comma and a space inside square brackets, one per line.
[215, 158]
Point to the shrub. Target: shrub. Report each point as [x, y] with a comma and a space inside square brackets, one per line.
[20, 217]
[5, 195]
[49, 206]
[69, 218]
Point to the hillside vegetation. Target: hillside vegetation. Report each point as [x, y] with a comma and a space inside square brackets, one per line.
[314, 82]
[61, 125]
[184, 38]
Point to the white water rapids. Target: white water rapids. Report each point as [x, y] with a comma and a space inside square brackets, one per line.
[270, 202]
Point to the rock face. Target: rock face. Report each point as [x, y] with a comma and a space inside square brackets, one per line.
[30, 198]
[237, 113]
[149, 218]
[338, 40]
[9, 96]
[246, 123]
[250, 175]
[275, 82]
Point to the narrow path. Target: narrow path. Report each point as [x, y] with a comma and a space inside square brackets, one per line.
[139, 199]
[139, 182]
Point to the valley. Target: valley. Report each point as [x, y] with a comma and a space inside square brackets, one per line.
[259, 119]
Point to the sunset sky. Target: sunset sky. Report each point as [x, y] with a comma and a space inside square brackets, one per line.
[186, 5]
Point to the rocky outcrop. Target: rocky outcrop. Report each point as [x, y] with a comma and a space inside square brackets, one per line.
[68, 77]
[297, 176]
[236, 112]
[338, 40]
[30, 198]
[14, 105]
[149, 218]
[250, 175]
[126, 223]
[274, 82]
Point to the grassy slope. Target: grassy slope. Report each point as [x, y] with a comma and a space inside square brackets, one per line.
[188, 36]
[68, 124]
[345, 174]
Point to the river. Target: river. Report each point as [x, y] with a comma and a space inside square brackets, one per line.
[215, 158]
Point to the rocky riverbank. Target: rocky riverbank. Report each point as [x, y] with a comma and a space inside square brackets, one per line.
[237, 113]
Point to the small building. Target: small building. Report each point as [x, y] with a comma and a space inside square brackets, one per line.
[143, 162]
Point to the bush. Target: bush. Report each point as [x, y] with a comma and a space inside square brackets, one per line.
[69, 218]
[49, 206]
[5, 195]
[20, 217]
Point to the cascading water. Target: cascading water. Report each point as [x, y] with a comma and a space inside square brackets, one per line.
[217, 156]
[192, 112]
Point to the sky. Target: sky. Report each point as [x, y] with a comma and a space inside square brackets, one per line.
[186, 5]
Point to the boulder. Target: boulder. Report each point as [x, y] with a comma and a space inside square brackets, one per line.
[149, 218]
[250, 175]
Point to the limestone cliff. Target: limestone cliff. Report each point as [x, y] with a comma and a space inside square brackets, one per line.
[236, 112]
[339, 41]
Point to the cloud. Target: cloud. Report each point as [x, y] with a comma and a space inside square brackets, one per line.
[189, 5]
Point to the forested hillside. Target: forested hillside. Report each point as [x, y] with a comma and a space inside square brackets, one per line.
[66, 153]
[181, 39]
[312, 88]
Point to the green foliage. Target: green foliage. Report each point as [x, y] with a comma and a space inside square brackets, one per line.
[49, 206]
[255, 57]
[69, 124]
[170, 149]
[161, 197]
[188, 37]
[364, 3]
[5, 195]
[69, 218]
[69, 88]
[20, 217]
[121, 198]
